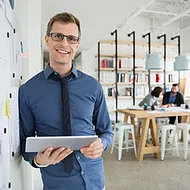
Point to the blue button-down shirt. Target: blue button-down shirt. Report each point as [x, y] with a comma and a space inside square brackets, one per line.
[172, 99]
[40, 109]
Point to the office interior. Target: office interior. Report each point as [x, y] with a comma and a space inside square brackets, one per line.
[116, 38]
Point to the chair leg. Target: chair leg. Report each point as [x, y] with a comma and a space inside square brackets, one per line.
[163, 143]
[134, 144]
[159, 136]
[178, 132]
[185, 141]
[113, 144]
[127, 139]
[176, 143]
[120, 143]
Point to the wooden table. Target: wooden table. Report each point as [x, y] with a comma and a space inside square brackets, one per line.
[149, 121]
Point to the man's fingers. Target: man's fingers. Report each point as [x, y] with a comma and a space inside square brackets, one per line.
[94, 150]
[47, 152]
[94, 155]
[96, 142]
[56, 153]
[63, 155]
[91, 148]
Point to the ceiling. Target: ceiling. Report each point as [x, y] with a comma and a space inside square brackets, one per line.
[99, 18]
[164, 13]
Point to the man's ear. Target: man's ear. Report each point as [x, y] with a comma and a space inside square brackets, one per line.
[77, 46]
[46, 39]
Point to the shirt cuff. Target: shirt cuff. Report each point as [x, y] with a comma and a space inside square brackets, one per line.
[104, 142]
[31, 160]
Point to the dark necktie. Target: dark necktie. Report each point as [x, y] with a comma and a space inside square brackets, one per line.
[68, 161]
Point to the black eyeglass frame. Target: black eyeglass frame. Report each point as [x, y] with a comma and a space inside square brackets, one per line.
[63, 36]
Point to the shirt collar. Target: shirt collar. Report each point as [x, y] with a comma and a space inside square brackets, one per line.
[48, 71]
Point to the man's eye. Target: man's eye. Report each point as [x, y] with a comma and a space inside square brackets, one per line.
[58, 36]
[71, 38]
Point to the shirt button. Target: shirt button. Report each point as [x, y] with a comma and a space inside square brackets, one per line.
[78, 158]
[55, 73]
[82, 172]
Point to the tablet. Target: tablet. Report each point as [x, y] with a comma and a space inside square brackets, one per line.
[39, 144]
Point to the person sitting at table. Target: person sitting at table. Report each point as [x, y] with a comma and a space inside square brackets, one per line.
[173, 98]
[150, 100]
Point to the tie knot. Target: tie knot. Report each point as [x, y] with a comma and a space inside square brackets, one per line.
[63, 81]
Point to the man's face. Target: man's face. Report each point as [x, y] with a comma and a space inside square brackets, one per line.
[174, 89]
[62, 52]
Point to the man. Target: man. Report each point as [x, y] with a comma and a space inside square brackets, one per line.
[42, 112]
[173, 98]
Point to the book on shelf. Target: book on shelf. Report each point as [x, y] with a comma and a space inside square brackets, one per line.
[136, 77]
[156, 78]
[128, 91]
[107, 63]
[104, 63]
[112, 92]
[110, 64]
[130, 78]
[125, 77]
[170, 78]
[124, 63]
[141, 77]
[139, 91]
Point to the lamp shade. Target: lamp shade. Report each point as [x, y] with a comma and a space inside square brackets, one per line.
[182, 63]
[154, 61]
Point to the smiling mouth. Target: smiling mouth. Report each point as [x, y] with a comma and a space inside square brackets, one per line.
[62, 52]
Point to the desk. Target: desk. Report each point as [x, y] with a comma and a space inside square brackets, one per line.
[149, 121]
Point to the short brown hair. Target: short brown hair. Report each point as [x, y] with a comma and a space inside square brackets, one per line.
[63, 17]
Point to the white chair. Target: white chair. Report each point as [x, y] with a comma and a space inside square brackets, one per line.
[159, 122]
[164, 136]
[185, 127]
[121, 128]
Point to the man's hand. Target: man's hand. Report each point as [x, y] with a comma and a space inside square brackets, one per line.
[94, 150]
[170, 105]
[51, 156]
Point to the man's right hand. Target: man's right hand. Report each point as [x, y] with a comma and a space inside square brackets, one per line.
[52, 156]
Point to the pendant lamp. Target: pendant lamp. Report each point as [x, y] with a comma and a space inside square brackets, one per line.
[154, 61]
[182, 63]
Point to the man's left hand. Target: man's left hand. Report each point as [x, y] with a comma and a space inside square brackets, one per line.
[94, 150]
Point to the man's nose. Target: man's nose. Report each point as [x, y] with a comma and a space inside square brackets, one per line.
[64, 41]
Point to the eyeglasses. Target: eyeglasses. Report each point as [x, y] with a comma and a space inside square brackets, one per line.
[58, 37]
